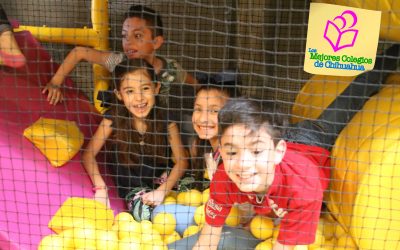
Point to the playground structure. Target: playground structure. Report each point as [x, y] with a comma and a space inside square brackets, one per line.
[96, 37]
[364, 187]
[33, 190]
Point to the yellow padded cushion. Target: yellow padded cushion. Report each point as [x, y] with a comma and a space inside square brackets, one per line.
[58, 140]
[316, 95]
[79, 212]
[366, 172]
[390, 21]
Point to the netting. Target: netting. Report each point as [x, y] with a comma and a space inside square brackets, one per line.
[54, 159]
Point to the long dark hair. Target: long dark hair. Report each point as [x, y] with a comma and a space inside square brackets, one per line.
[125, 136]
[199, 146]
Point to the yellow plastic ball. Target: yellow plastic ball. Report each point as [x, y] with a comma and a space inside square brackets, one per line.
[164, 223]
[233, 218]
[265, 245]
[84, 236]
[199, 216]
[130, 243]
[146, 225]
[261, 227]
[129, 230]
[106, 240]
[205, 195]
[181, 198]
[173, 193]
[191, 230]
[168, 239]
[151, 235]
[193, 198]
[169, 200]
[52, 241]
[68, 238]
[123, 217]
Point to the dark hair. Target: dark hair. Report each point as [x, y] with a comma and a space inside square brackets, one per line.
[251, 114]
[229, 91]
[226, 81]
[125, 136]
[130, 66]
[151, 17]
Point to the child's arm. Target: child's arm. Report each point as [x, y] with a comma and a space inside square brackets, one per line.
[191, 80]
[71, 60]
[181, 164]
[209, 237]
[89, 160]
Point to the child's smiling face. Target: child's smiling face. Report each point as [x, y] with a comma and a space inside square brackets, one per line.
[250, 157]
[138, 93]
[205, 115]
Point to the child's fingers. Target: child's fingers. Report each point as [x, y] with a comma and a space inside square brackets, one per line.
[146, 199]
[156, 203]
[44, 90]
[49, 96]
[56, 96]
[150, 199]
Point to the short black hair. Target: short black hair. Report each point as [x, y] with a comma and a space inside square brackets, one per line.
[253, 115]
[152, 18]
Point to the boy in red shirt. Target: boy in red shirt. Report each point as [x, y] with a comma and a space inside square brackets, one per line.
[281, 173]
[278, 178]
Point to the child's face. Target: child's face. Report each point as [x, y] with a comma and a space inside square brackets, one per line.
[137, 92]
[137, 39]
[205, 114]
[250, 157]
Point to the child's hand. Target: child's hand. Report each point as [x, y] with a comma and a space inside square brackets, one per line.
[55, 95]
[101, 196]
[278, 211]
[153, 198]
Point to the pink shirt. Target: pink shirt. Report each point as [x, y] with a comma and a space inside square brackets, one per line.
[298, 186]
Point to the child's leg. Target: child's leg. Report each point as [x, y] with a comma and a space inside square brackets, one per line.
[10, 54]
[324, 131]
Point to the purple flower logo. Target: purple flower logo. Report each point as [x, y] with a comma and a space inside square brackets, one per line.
[339, 32]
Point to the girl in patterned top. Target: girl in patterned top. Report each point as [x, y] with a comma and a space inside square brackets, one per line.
[140, 141]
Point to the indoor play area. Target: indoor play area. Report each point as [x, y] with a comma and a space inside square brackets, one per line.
[50, 196]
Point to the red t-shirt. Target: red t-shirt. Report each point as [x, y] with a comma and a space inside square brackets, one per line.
[298, 186]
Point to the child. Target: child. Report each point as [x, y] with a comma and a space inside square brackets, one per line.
[260, 168]
[281, 174]
[210, 98]
[139, 138]
[142, 36]
[217, 93]
[10, 53]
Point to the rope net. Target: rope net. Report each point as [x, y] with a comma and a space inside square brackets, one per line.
[128, 155]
